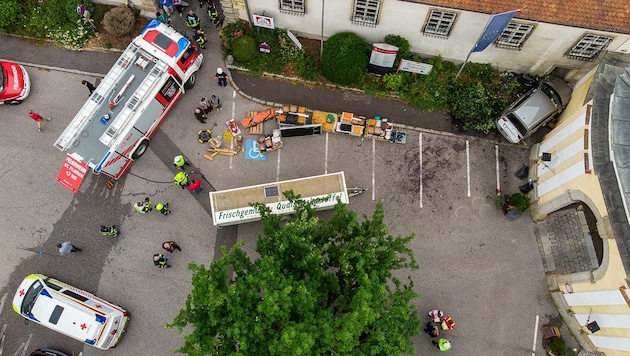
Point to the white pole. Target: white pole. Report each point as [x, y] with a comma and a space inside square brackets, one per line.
[321, 38]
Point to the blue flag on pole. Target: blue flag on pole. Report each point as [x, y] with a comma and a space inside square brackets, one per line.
[494, 27]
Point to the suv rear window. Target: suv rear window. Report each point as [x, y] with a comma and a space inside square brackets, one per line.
[517, 123]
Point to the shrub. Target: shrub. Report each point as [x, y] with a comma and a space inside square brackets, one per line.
[472, 103]
[71, 9]
[345, 58]
[520, 201]
[403, 47]
[9, 11]
[244, 48]
[290, 52]
[305, 67]
[119, 21]
[393, 81]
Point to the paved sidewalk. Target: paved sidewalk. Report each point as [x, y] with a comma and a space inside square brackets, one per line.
[565, 242]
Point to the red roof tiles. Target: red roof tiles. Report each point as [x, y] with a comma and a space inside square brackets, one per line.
[603, 15]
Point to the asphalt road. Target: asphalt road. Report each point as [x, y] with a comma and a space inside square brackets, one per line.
[483, 270]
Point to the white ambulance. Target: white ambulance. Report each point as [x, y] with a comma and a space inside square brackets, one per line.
[70, 311]
[114, 126]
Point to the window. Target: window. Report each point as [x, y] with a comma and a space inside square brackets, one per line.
[439, 23]
[589, 47]
[365, 12]
[514, 35]
[294, 7]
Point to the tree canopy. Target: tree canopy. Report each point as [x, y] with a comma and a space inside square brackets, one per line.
[319, 287]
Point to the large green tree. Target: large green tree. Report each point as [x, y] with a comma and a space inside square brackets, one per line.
[319, 287]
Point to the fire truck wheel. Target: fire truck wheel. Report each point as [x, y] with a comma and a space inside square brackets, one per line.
[191, 81]
[142, 148]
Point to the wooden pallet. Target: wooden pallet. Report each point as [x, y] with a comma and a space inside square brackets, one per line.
[255, 130]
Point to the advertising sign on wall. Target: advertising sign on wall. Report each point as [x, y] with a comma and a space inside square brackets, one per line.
[263, 21]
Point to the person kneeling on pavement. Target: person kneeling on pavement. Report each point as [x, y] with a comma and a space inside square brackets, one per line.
[159, 260]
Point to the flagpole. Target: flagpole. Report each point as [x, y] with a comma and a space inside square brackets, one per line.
[470, 52]
[479, 39]
[463, 64]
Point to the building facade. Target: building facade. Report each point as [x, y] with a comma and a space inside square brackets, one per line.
[568, 37]
[585, 159]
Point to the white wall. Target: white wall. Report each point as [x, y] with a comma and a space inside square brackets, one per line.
[543, 51]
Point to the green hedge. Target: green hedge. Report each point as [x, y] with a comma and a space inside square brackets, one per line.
[345, 58]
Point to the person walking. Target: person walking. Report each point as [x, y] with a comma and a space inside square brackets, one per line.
[159, 260]
[162, 208]
[180, 161]
[179, 6]
[89, 85]
[143, 206]
[195, 186]
[442, 344]
[181, 179]
[215, 102]
[221, 77]
[205, 105]
[67, 247]
[171, 246]
[200, 116]
[193, 21]
[38, 118]
[213, 14]
[168, 6]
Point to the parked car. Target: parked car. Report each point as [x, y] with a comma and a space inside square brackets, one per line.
[534, 109]
[70, 311]
[48, 352]
[15, 84]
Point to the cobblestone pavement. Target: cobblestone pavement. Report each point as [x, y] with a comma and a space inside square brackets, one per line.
[565, 242]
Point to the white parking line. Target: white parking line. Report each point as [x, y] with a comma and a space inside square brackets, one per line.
[326, 155]
[535, 336]
[496, 157]
[420, 159]
[468, 166]
[278, 168]
[373, 169]
[233, 112]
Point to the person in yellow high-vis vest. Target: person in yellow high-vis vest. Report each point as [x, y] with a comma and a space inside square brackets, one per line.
[442, 344]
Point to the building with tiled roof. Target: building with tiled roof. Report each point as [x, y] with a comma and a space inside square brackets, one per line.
[586, 164]
[564, 37]
[612, 16]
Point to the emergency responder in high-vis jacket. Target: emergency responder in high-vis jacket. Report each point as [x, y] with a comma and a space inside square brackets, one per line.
[159, 260]
[143, 206]
[180, 161]
[213, 14]
[192, 20]
[181, 179]
[162, 208]
[200, 37]
[442, 344]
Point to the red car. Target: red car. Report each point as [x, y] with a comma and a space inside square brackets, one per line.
[15, 84]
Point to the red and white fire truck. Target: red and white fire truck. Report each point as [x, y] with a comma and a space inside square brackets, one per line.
[114, 126]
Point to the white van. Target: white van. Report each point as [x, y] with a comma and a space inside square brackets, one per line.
[70, 311]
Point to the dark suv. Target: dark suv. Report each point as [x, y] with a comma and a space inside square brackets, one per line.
[534, 109]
